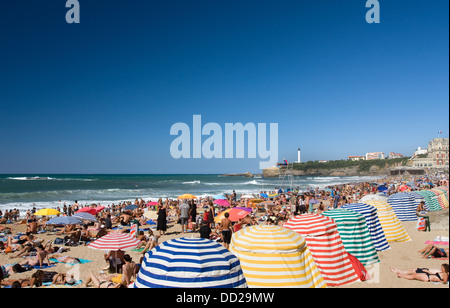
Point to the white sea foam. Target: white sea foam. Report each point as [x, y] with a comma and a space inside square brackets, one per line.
[46, 178]
[191, 182]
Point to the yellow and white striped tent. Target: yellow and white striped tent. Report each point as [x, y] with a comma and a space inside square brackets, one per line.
[392, 227]
[273, 256]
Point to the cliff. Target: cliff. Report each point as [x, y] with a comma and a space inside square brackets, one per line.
[349, 171]
[376, 167]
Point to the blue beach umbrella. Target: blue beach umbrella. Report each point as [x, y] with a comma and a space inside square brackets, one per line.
[219, 197]
[190, 263]
[85, 216]
[64, 220]
[264, 195]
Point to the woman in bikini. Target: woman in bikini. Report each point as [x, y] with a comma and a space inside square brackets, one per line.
[424, 274]
[35, 281]
[431, 251]
[101, 283]
[63, 279]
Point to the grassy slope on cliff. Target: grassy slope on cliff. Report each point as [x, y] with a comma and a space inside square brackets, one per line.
[363, 165]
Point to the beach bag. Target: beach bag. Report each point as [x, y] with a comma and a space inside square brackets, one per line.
[421, 224]
[58, 241]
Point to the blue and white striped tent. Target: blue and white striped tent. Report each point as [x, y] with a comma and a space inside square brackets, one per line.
[373, 224]
[418, 198]
[190, 263]
[404, 206]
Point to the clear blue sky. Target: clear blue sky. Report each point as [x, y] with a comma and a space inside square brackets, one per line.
[101, 96]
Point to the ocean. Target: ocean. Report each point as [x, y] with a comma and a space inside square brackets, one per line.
[49, 191]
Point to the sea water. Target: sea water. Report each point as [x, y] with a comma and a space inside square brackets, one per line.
[50, 191]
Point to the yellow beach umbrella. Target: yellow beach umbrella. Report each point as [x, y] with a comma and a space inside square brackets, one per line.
[273, 256]
[187, 196]
[47, 212]
[391, 225]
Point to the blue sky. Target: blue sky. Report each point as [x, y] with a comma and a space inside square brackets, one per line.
[101, 96]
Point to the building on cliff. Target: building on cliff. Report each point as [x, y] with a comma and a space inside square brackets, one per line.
[375, 155]
[436, 157]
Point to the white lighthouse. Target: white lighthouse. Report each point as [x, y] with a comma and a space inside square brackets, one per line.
[299, 161]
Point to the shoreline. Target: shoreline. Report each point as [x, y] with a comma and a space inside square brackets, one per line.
[56, 192]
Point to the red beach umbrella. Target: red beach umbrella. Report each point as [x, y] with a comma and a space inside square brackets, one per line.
[87, 209]
[99, 208]
[115, 241]
[237, 213]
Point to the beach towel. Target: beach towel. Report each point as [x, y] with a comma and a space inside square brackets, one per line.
[51, 285]
[436, 243]
[44, 265]
[82, 261]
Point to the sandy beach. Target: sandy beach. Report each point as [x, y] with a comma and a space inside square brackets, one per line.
[402, 255]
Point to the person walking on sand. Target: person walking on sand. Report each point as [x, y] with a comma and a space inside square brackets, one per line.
[183, 212]
[161, 225]
[225, 227]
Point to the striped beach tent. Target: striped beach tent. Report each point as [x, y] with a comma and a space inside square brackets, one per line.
[392, 227]
[373, 223]
[418, 198]
[355, 235]
[273, 256]
[430, 200]
[441, 197]
[326, 247]
[404, 206]
[446, 193]
[190, 263]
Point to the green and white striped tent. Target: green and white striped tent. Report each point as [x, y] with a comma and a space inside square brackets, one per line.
[430, 200]
[355, 235]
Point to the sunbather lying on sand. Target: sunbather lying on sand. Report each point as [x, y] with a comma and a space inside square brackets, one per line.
[424, 274]
[432, 251]
[34, 281]
[100, 282]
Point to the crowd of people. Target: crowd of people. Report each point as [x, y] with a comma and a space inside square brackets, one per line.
[195, 216]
